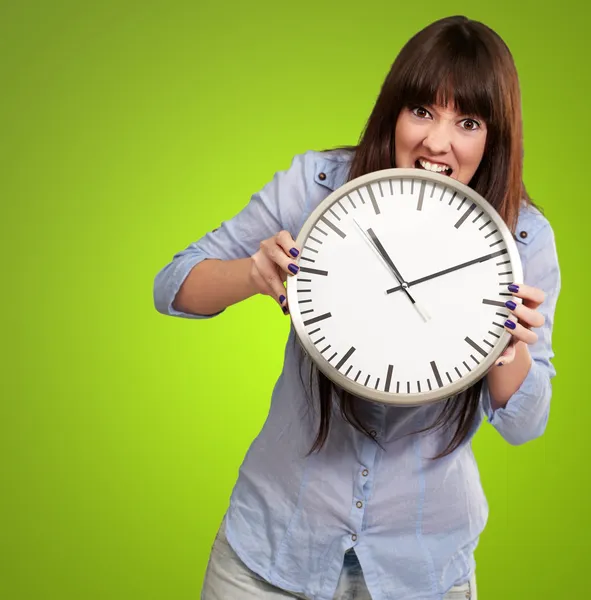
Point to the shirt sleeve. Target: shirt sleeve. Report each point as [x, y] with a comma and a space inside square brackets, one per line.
[526, 414]
[278, 206]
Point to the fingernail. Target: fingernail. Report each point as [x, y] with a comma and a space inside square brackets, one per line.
[509, 324]
[513, 288]
[281, 299]
[510, 305]
[284, 308]
[294, 252]
[293, 268]
[499, 364]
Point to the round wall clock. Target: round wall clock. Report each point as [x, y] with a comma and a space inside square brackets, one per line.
[400, 297]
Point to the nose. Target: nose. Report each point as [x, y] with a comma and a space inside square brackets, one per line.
[438, 139]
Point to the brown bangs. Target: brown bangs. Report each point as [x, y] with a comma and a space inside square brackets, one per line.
[454, 69]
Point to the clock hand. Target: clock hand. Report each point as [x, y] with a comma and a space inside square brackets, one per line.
[450, 270]
[380, 250]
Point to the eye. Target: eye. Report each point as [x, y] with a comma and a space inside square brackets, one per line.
[420, 112]
[473, 125]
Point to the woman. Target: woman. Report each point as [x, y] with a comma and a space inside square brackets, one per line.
[343, 498]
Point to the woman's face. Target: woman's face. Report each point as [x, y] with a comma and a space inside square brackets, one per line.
[440, 139]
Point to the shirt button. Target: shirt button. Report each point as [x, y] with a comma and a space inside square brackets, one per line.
[523, 234]
[322, 176]
[365, 472]
[354, 537]
[359, 504]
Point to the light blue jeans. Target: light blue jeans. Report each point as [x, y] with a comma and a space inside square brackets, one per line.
[228, 578]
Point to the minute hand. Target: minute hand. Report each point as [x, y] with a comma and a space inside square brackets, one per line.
[450, 270]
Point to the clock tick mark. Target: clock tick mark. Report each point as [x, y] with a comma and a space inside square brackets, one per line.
[448, 376]
[466, 365]
[318, 318]
[421, 195]
[436, 373]
[333, 227]
[464, 216]
[389, 377]
[478, 217]
[373, 200]
[493, 302]
[312, 272]
[346, 357]
[483, 226]
[334, 214]
[475, 346]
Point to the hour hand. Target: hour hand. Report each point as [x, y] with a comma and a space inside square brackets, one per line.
[377, 246]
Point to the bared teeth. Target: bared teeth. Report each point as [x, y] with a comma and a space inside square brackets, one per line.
[435, 167]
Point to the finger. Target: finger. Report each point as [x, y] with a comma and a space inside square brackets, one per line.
[527, 316]
[269, 280]
[277, 254]
[508, 356]
[531, 296]
[521, 333]
[287, 243]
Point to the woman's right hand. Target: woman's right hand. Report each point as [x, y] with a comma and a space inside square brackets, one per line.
[271, 265]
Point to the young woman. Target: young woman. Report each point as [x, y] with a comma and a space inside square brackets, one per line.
[334, 499]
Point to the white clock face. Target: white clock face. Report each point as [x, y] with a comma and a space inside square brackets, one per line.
[401, 292]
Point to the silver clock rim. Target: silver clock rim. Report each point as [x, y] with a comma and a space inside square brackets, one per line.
[357, 389]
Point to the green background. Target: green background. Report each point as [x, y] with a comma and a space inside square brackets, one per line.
[129, 129]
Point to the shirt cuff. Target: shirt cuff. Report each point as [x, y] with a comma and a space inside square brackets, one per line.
[525, 415]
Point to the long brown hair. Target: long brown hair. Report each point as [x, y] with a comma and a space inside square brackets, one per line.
[464, 62]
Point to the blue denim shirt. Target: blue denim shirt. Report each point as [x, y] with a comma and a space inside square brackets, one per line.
[413, 522]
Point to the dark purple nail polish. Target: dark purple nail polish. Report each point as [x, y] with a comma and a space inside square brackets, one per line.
[294, 252]
[510, 305]
[293, 268]
[513, 288]
[281, 299]
[509, 324]
[500, 364]
[284, 308]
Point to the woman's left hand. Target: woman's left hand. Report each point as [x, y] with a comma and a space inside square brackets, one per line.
[528, 315]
